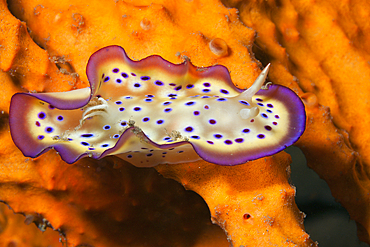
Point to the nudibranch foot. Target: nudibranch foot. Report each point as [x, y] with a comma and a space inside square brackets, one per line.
[151, 112]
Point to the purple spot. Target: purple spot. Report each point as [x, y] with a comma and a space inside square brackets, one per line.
[124, 123]
[261, 136]
[264, 115]
[118, 81]
[269, 111]
[42, 115]
[38, 124]
[60, 118]
[121, 109]
[106, 127]
[40, 137]
[189, 129]
[85, 144]
[166, 138]
[210, 142]
[206, 90]
[189, 86]
[167, 103]
[207, 84]
[270, 105]
[244, 102]
[91, 148]
[212, 121]
[70, 139]
[217, 136]
[49, 129]
[195, 137]
[51, 107]
[172, 84]
[129, 156]
[145, 78]
[87, 135]
[148, 100]
[146, 119]
[149, 95]
[205, 97]
[196, 113]
[104, 145]
[228, 142]
[164, 153]
[115, 70]
[168, 110]
[206, 107]
[180, 152]
[274, 123]
[133, 74]
[116, 136]
[172, 95]
[137, 85]
[246, 130]
[171, 148]
[149, 154]
[260, 104]
[221, 99]
[277, 116]
[137, 108]
[268, 128]
[128, 97]
[106, 79]
[224, 91]
[239, 140]
[158, 83]
[118, 102]
[102, 76]
[178, 88]
[190, 103]
[260, 100]
[161, 121]
[124, 75]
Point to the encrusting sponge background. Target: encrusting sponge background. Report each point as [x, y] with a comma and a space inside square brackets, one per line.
[319, 50]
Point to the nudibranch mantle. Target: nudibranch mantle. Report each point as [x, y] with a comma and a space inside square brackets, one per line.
[151, 112]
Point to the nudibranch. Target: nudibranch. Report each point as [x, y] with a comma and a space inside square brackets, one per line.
[151, 111]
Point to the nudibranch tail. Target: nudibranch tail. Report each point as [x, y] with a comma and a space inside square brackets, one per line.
[151, 112]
